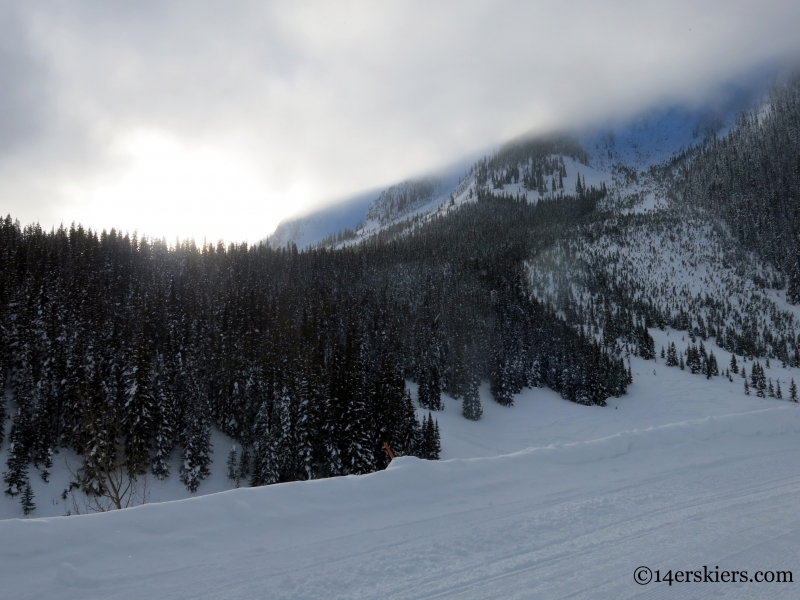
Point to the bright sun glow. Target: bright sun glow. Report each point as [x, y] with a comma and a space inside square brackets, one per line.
[169, 190]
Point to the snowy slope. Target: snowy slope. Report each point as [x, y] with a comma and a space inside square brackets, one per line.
[645, 140]
[572, 519]
[307, 230]
[652, 137]
[353, 213]
[659, 395]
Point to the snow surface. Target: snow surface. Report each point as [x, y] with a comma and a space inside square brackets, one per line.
[540, 417]
[545, 499]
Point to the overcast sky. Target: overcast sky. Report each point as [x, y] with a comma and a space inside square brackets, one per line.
[218, 119]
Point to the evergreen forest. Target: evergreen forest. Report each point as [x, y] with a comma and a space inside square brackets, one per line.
[129, 351]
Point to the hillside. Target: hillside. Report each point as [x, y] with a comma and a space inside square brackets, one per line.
[582, 361]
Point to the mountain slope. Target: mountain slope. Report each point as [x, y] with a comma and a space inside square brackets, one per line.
[308, 230]
[365, 209]
[597, 155]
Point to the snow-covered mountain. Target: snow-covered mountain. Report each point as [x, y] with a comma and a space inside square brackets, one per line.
[629, 146]
[308, 230]
[694, 468]
[339, 221]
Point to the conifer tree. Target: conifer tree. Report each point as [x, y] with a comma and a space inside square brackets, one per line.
[139, 409]
[711, 366]
[2, 406]
[16, 475]
[424, 447]
[263, 463]
[429, 392]
[243, 469]
[164, 439]
[27, 500]
[398, 426]
[499, 379]
[359, 457]
[672, 355]
[431, 440]
[759, 380]
[195, 458]
[282, 457]
[306, 420]
[98, 439]
[232, 464]
[793, 391]
[471, 405]
[331, 431]
[423, 390]
[437, 441]
[43, 439]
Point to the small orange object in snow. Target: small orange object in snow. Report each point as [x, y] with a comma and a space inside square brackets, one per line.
[389, 450]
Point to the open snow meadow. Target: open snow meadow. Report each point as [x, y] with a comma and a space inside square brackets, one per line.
[544, 499]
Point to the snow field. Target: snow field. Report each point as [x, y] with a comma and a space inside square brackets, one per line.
[540, 417]
[570, 519]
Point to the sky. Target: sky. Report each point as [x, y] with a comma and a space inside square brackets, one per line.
[217, 120]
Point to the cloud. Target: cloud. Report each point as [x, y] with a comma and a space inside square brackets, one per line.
[318, 100]
[23, 92]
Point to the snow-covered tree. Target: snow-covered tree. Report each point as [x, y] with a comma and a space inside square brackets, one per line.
[26, 500]
[471, 404]
[196, 455]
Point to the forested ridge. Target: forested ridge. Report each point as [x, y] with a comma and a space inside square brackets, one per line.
[704, 243]
[128, 350]
[750, 178]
